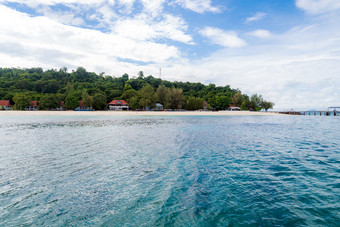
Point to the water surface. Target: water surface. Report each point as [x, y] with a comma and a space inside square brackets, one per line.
[170, 171]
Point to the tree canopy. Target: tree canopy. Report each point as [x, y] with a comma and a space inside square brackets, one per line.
[52, 86]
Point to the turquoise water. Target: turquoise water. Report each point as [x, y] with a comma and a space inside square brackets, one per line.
[170, 171]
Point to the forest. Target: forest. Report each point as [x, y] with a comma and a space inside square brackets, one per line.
[50, 87]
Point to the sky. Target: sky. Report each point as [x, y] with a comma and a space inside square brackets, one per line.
[286, 50]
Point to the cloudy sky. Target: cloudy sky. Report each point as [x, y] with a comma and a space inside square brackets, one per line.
[286, 50]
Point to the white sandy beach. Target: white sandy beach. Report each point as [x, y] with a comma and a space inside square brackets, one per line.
[134, 113]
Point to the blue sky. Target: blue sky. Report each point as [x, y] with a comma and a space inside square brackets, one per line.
[286, 50]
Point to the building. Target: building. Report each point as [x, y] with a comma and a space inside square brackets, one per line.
[159, 107]
[205, 106]
[5, 105]
[62, 105]
[81, 107]
[118, 105]
[33, 105]
[234, 108]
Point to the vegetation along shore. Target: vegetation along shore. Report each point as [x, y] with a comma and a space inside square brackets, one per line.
[34, 88]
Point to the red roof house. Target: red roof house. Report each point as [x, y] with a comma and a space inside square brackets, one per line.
[118, 102]
[82, 107]
[234, 108]
[118, 105]
[5, 104]
[33, 105]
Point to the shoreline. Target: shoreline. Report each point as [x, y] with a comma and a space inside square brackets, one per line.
[134, 113]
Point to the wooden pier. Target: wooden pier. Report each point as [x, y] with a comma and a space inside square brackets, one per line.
[321, 113]
[331, 111]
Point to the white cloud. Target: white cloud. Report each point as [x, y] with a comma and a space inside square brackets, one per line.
[198, 6]
[260, 33]
[153, 7]
[258, 16]
[62, 17]
[297, 69]
[148, 23]
[49, 42]
[141, 28]
[222, 38]
[35, 3]
[318, 6]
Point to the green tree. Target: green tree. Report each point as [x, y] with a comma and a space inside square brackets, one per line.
[193, 103]
[134, 103]
[146, 94]
[50, 101]
[71, 101]
[267, 105]
[221, 102]
[21, 101]
[176, 98]
[37, 83]
[86, 99]
[128, 94]
[162, 95]
[114, 94]
[127, 87]
[68, 87]
[23, 84]
[51, 86]
[237, 99]
[99, 101]
[255, 102]
[125, 78]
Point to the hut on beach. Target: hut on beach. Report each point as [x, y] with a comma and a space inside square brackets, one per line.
[82, 107]
[118, 105]
[5, 105]
[234, 108]
[33, 105]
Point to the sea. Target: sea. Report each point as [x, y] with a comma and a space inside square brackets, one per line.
[170, 171]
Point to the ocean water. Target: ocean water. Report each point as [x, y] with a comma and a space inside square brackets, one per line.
[170, 171]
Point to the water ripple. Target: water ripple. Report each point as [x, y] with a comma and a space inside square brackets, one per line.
[169, 171]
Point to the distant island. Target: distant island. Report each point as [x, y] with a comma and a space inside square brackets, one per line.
[34, 88]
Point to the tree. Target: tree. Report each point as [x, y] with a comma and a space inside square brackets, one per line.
[23, 84]
[81, 74]
[222, 102]
[146, 94]
[48, 102]
[193, 103]
[255, 102]
[267, 105]
[127, 95]
[125, 78]
[86, 99]
[127, 87]
[176, 98]
[36, 82]
[162, 95]
[50, 86]
[71, 101]
[134, 103]
[114, 94]
[21, 100]
[237, 99]
[68, 87]
[99, 101]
